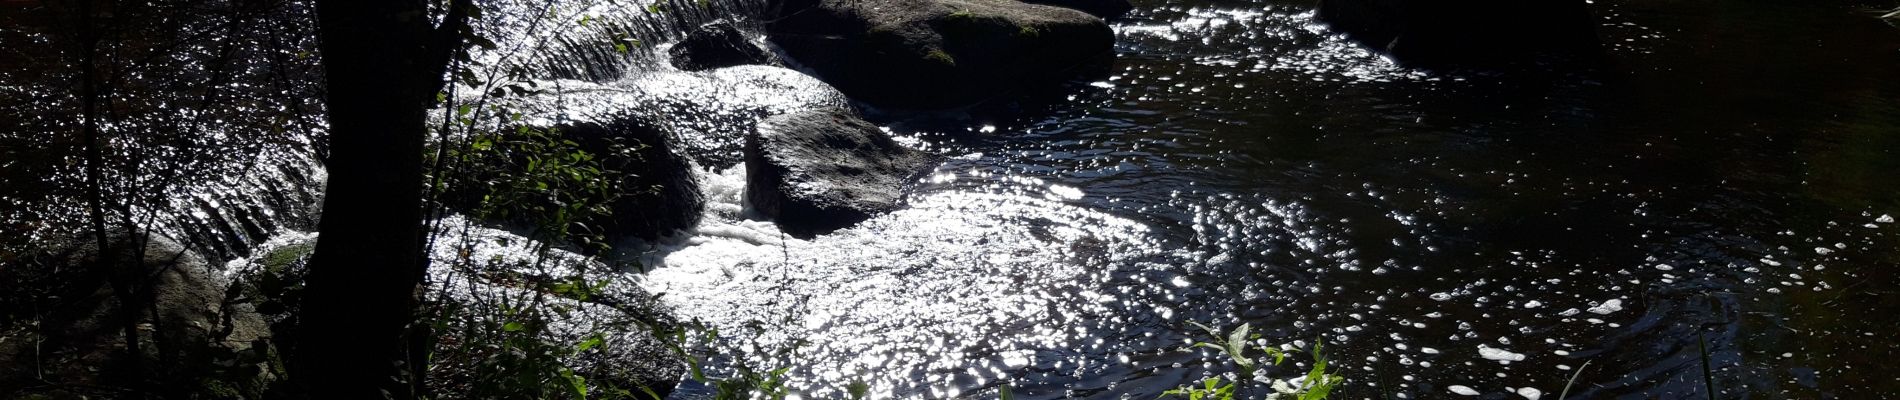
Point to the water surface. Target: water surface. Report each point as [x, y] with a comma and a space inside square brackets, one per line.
[1725, 178]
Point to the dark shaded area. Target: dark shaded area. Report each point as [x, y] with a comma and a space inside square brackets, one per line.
[658, 194]
[717, 45]
[937, 54]
[1466, 32]
[383, 66]
[195, 340]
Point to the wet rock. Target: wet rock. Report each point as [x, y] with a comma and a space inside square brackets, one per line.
[193, 339]
[658, 128]
[707, 113]
[936, 54]
[651, 184]
[711, 112]
[561, 299]
[717, 45]
[658, 194]
[1458, 33]
[817, 171]
[1106, 9]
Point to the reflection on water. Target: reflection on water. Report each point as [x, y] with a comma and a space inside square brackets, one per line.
[1442, 232]
[1726, 179]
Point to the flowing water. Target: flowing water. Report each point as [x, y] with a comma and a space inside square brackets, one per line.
[1728, 178]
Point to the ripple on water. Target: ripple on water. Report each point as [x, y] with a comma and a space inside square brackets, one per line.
[959, 290]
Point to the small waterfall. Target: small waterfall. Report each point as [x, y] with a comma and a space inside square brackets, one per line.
[226, 168]
[596, 40]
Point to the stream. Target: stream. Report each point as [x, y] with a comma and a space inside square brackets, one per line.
[1722, 191]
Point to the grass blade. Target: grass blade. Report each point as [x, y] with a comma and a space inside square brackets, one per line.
[1573, 380]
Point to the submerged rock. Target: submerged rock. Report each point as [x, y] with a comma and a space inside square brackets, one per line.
[193, 342]
[817, 171]
[1431, 33]
[717, 45]
[935, 54]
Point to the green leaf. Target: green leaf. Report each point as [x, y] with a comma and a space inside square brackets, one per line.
[575, 382]
[590, 343]
[513, 326]
[1006, 393]
[650, 393]
[1237, 346]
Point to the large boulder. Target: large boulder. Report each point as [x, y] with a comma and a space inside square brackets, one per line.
[192, 340]
[1458, 33]
[652, 186]
[717, 45]
[658, 193]
[936, 54]
[817, 171]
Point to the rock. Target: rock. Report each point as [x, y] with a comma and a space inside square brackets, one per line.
[936, 54]
[708, 113]
[711, 112]
[717, 45]
[192, 340]
[660, 127]
[1105, 9]
[562, 299]
[817, 171]
[658, 193]
[654, 189]
[1458, 33]
[272, 282]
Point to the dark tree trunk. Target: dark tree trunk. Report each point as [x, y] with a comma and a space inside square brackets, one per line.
[122, 283]
[383, 63]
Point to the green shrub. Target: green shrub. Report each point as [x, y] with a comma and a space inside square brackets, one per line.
[1316, 384]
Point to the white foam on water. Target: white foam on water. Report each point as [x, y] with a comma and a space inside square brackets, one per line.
[1607, 307]
[1502, 356]
[943, 284]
